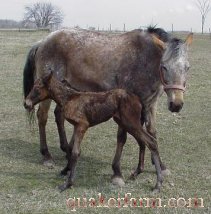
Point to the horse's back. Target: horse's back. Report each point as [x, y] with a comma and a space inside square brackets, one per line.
[93, 61]
[87, 59]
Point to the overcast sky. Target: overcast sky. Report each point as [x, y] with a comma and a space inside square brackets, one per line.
[134, 13]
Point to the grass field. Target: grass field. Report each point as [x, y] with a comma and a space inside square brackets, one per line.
[26, 186]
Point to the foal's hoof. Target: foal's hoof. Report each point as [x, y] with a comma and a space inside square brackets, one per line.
[118, 181]
[157, 188]
[156, 191]
[49, 163]
[64, 186]
[165, 172]
[135, 173]
[63, 172]
[62, 175]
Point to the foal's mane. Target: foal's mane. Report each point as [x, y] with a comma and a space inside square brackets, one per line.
[69, 87]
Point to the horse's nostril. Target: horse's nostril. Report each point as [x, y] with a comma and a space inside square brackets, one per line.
[175, 107]
[171, 105]
[25, 106]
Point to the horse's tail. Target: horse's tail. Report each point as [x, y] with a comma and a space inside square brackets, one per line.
[29, 71]
[28, 76]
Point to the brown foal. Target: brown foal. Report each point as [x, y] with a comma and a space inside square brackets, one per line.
[87, 109]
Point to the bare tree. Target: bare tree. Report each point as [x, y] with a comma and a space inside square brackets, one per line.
[204, 7]
[43, 15]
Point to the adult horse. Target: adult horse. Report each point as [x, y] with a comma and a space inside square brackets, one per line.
[92, 61]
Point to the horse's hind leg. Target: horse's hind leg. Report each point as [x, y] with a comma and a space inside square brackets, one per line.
[121, 139]
[59, 118]
[42, 115]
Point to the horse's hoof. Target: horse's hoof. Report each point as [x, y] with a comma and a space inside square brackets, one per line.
[49, 163]
[64, 186]
[165, 172]
[118, 181]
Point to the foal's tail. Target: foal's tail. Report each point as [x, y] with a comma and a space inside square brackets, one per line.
[28, 76]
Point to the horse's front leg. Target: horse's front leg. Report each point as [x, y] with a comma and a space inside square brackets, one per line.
[117, 178]
[79, 132]
[42, 115]
[59, 118]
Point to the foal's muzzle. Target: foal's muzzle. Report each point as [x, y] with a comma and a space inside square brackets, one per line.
[28, 105]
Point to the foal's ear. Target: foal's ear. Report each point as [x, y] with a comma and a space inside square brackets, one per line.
[158, 42]
[47, 77]
[189, 39]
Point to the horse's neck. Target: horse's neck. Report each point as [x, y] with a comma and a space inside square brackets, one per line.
[152, 89]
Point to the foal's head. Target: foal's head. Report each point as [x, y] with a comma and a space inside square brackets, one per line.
[174, 71]
[39, 92]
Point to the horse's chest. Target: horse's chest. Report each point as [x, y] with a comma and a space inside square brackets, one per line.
[148, 99]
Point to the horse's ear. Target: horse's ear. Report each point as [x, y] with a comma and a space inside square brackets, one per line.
[189, 39]
[47, 77]
[158, 42]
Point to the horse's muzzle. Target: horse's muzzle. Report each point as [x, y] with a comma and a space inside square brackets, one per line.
[175, 107]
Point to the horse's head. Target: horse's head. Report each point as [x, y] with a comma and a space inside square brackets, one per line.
[38, 93]
[174, 71]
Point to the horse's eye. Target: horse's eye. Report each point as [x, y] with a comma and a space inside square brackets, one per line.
[187, 68]
[164, 67]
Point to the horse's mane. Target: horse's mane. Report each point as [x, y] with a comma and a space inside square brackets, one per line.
[160, 33]
[174, 43]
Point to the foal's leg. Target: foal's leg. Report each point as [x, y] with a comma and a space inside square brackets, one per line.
[142, 136]
[59, 118]
[132, 125]
[42, 115]
[150, 126]
[142, 147]
[69, 151]
[79, 132]
[140, 167]
[117, 178]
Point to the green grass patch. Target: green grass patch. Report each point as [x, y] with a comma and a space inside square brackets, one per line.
[184, 142]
